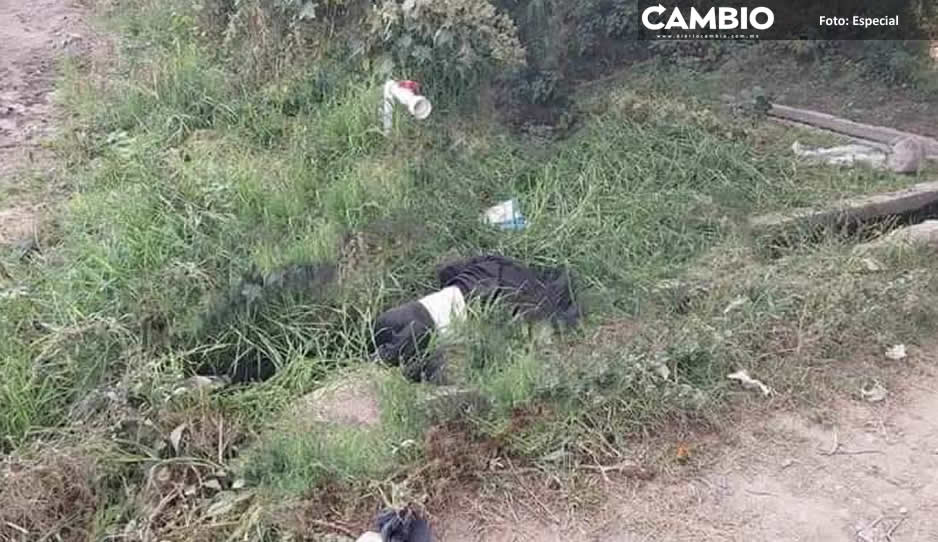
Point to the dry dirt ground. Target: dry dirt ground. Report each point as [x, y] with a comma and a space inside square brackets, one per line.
[856, 472]
[834, 90]
[34, 35]
[853, 471]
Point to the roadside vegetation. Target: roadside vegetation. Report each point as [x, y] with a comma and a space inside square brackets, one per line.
[236, 146]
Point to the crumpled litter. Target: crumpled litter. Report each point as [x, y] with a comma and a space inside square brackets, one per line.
[506, 215]
[844, 155]
[749, 382]
[662, 370]
[872, 265]
[896, 352]
[201, 383]
[904, 156]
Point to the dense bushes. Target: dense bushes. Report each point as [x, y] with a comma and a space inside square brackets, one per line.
[532, 49]
[454, 36]
[454, 39]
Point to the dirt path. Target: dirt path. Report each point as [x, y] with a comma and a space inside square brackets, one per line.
[33, 35]
[839, 91]
[867, 473]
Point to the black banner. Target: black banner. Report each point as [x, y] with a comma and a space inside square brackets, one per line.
[787, 20]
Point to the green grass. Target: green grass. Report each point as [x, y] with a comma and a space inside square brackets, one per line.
[186, 180]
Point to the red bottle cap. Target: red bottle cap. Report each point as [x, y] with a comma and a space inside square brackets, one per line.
[412, 86]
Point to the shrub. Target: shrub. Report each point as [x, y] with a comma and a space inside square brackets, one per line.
[455, 38]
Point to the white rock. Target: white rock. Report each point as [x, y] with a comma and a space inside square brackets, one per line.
[907, 156]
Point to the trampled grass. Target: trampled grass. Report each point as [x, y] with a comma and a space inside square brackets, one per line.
[187, 181]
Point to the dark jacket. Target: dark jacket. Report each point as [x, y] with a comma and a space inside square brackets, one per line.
[403, 332]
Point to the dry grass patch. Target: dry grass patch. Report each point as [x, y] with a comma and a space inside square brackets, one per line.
[50, 496]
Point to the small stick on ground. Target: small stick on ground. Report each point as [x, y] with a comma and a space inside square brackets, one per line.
[760, 493]
[632, 470]
[893, 528]
[533, 495]
[858, 452]
[16, 527]
[171, 496]
[334, 527]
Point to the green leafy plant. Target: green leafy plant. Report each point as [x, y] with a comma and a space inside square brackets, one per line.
[460, 38]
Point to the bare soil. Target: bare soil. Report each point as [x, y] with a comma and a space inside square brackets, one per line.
[835, 90]
[850, 471]
[33, 37]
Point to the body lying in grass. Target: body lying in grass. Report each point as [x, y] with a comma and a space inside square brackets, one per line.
[235, 331]
[402, 334]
